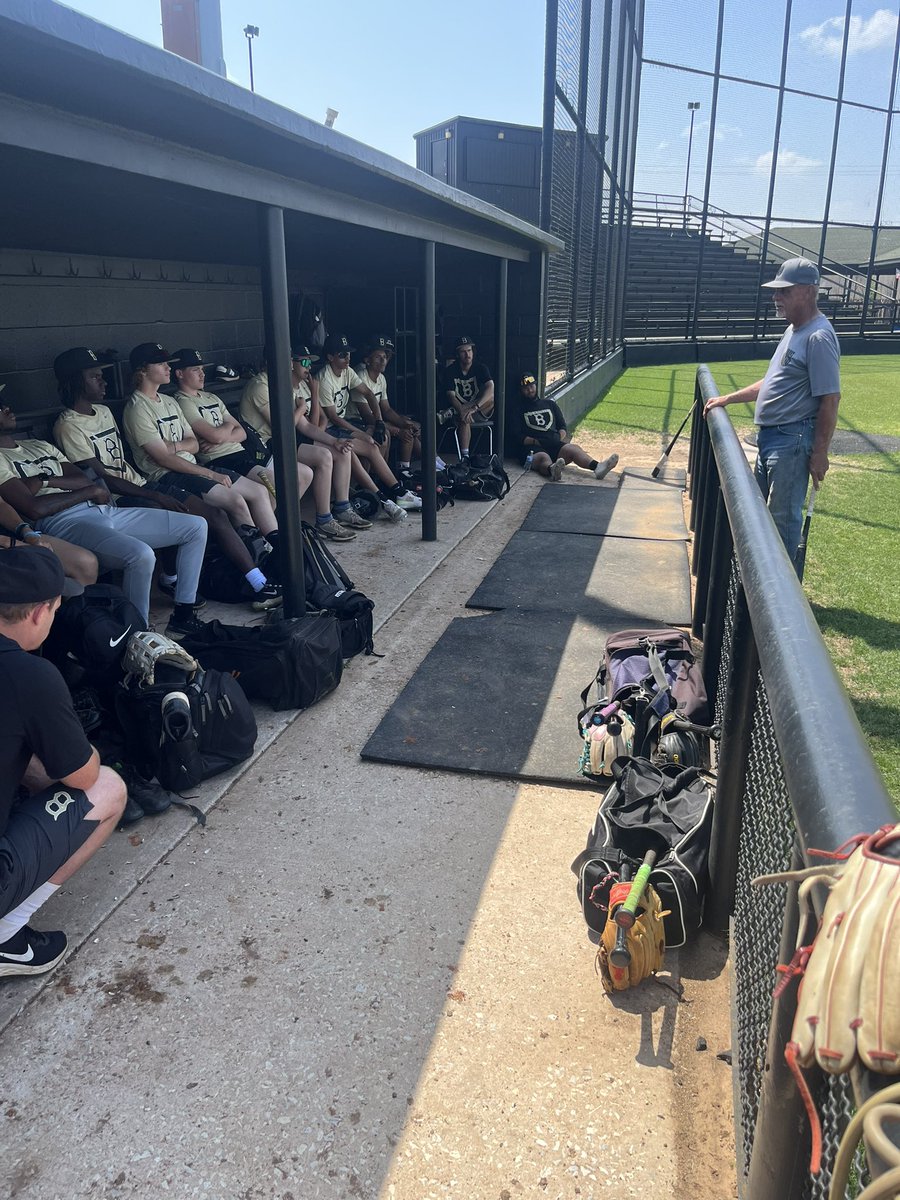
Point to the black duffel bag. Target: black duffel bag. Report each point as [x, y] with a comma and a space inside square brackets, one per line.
[221, 734]
[353, 610]
[94, 629]
[666, 809]
[287, 664]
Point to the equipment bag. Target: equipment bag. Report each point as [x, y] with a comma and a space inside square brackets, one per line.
[487, 482]
[353, 610]
[222, 729]
[650, 673]
[666, 809]
[94, 629]
[286, 664]
[414, 482]
[319, 564]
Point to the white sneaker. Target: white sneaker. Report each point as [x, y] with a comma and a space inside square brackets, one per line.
[603, 469]
[393, 511]
[408, 501]
[556, 470]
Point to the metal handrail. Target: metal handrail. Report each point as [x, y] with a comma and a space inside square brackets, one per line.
[834, 796]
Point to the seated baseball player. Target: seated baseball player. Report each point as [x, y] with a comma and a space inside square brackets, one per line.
[87, 433]
[337, 382]
[77, 563]
[62, 500]
[370, 414]
[468, 388]
[164, 446]
[327, 457]
[57, 804]
[544, 442]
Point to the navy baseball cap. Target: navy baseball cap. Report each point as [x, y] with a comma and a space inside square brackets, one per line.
[147, 353]
[188, 358]
[79, 358]
[33, 574]
[464, 341]
[338, 344]
[303, 352]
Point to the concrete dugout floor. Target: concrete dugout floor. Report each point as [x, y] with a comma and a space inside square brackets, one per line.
[361, 980]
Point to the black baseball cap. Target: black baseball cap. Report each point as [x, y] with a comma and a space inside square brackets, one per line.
[33, 574]
[300, 352]
[79, 358]
[188, 358]
[380, 343]
[463, 341]
[527, 379]
[336, 343]
[147, 353]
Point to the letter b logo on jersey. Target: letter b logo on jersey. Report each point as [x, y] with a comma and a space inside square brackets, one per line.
[58, 804]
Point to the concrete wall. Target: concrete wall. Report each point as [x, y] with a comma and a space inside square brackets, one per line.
[576, 398]
[49, 302]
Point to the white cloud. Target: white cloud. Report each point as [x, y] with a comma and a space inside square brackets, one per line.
[789, 163]
[879, 30]
[723, 132]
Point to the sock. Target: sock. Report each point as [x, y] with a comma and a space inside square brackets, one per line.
[593, 465]
[167, 579]
[323, 518]
[341, 506]
[465, 453]
[404, 466]
[256, 579]
[18, 918]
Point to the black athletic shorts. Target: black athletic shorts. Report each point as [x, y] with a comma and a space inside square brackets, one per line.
[240, 461]
[43, 832]
[174, 482]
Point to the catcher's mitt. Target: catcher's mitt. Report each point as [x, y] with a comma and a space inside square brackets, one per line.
[645, 940]
[848, 1004]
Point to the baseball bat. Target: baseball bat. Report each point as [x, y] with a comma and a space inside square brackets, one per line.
[627, 913]
[668, 450]
[804, 535]
[620, 955]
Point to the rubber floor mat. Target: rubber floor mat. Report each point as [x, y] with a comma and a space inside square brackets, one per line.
[653, 513]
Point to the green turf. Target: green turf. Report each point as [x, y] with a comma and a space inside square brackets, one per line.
[652, 401]
[853, 561]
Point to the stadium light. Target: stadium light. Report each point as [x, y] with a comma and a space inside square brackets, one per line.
[693, 106]
[251, 32]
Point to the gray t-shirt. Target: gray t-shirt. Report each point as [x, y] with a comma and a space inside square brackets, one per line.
[805, 367]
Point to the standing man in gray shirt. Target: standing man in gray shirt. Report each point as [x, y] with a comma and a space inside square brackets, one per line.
[796, 401]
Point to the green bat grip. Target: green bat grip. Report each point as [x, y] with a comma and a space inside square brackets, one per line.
[626, 914]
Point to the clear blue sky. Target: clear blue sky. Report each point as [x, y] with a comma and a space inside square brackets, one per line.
[390, 69]
[394, 68]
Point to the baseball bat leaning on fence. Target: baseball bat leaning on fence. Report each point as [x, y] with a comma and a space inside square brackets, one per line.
[668, 450]
[804, 536]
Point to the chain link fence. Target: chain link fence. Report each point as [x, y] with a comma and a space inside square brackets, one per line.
[763, 800]
[592, 73]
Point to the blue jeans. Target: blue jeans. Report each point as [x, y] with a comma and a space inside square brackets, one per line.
[782, 472]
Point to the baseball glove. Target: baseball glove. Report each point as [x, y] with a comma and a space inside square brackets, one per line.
[645, 940]
[848, 1004]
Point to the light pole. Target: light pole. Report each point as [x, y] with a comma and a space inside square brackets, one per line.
[693, 106]
[251, 32]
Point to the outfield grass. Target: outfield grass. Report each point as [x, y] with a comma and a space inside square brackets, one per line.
[852, 574]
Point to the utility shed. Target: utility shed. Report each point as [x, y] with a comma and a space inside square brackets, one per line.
[149, 199]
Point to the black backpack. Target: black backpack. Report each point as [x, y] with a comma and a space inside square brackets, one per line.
[94, 629]
[414, 482]
[481, 479]
[668, 809]
[223, 727]
[319, 564]
[286, 664]
[353, 610]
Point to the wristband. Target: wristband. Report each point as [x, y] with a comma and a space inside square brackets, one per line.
[17, 532]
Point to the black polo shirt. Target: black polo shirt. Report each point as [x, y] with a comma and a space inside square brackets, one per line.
[36, 717]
